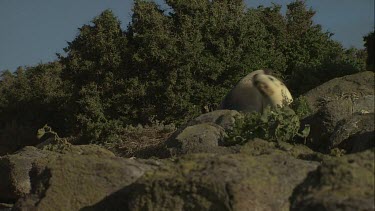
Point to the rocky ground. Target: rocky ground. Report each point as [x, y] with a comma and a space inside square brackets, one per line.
[193, 170]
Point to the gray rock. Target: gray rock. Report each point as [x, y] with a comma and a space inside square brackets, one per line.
[364, 105]
[198, 138]
[214, 182]
[203, 134]
[223, 118]
[345, 183]
[258, 147]
[335, 100]
[14, 174]
[354, 134]
[324, 121]
[15, 168]
[354, 86]
[72, 181]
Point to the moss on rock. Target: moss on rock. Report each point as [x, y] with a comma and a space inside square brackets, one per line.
[345, 183]
[214, 182]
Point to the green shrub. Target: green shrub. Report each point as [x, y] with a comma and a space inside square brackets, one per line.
[279, 124]
[31, 97]
[301, 107]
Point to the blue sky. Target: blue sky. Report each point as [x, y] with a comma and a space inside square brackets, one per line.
[33, 31]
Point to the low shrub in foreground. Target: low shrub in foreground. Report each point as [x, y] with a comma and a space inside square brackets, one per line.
[276, 124]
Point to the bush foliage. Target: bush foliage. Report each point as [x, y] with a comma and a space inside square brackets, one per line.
[370, 47]
[276, 125]
[168, 65]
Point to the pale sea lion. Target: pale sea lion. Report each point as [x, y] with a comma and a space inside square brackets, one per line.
[256, 91]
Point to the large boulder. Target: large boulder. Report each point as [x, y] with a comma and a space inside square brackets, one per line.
[197, 139]
[15, 168]
[345, 183]
[214, 182]
[356, 86]
[335, 100]
[204, 134]
[354, 133]
[77, 176]
[14, 174]
[324, 121]
[72, 181]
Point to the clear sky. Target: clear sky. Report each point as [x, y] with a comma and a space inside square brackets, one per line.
[33, 31]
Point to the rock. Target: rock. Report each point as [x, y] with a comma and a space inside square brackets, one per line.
[335, 100]
[345, 183]
[72, 181]
[15, 168]
[222, 118]
[258, 147]
[198, 138]
[354, 133]
[351, 86]
[14, 174]
[203, 134]
[364, 105]
[214, 182]
[323, 122]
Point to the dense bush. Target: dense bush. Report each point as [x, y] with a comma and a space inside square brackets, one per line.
[276, 125]
[167, 66]
[30, 98]
[370, 47]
